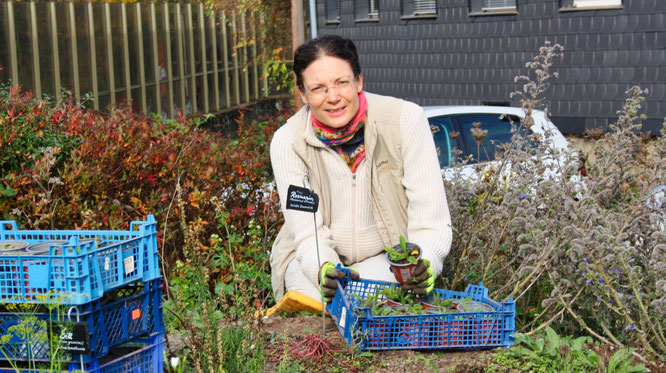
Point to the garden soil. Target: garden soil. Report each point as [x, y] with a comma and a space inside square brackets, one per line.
[402, 361]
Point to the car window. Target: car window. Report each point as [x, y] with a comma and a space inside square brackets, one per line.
[462, 127]
[499, 133]
[441, 128]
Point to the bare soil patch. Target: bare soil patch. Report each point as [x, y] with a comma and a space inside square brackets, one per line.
[402, 361]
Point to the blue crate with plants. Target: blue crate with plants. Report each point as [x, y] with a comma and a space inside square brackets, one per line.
[44, 333]
[145, 355]
[373, 315]
[74, 267]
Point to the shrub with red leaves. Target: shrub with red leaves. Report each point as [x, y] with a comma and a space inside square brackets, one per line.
[70, 168]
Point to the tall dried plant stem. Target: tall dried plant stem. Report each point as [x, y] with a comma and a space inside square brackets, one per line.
[495, 248]
[583, 325]
[553, 318]
[164, 234]
[547, 258]
[661, 341]
[579, 319]
[457, 277]
[623, 313]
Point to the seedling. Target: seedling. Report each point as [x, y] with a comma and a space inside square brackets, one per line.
[404, 254]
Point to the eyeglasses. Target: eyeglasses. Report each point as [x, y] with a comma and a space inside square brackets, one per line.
[321, 91]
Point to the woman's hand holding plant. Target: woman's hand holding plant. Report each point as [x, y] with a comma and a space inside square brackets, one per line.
[424, 278]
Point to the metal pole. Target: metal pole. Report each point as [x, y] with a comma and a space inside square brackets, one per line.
[307, 184]
[312, 4]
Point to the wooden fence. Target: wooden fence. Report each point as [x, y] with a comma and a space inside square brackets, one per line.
[164, 57]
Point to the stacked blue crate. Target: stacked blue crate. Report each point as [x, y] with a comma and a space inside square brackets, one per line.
[98, 292]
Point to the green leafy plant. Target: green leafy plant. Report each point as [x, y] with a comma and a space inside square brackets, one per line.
[621, 362]
[34, 340]
[552, 354]
[555, 353]
[402, 255]
[445, 305]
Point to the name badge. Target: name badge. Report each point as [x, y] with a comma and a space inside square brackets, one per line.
[302, 199]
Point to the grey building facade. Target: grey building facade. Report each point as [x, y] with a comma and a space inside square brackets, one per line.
[467, 52]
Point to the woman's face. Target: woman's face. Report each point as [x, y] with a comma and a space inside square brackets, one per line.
[331, 91]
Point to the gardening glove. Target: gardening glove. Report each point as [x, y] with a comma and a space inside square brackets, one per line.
[327, 276]
[424, 278]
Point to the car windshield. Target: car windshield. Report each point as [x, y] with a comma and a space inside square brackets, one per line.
[458, 131]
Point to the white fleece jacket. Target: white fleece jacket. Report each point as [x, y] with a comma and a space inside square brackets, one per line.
[353, 235]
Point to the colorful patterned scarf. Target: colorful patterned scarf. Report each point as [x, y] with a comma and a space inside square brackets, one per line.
[348, 141]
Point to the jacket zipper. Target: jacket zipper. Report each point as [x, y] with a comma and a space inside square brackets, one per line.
[353, 242]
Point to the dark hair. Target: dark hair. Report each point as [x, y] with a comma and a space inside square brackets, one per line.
[325, 45]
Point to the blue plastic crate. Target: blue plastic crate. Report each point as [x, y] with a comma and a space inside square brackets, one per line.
[459, 330]
[140, 356]
[80, 271]
[121, 315]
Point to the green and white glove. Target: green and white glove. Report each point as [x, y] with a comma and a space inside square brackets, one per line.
[424, 278]
[327, 276]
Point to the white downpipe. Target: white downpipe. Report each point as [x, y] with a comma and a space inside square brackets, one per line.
[312, 4]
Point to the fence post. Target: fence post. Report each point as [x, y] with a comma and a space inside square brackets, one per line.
[204, 62]
[34, 40]
[128, 81]
[11, 25]
[255, 58]
[109, 53]
[75, 51]
[235, 56]
[142, 62]
[193, 76]
[246, 67]
[225, 58]
[54, 48]
[213, 39]
[167, 56]
[93, 57]
[264, 73]
[181, 61]
[156, 62]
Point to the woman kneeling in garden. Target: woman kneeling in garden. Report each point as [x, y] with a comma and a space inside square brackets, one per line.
[372, 161]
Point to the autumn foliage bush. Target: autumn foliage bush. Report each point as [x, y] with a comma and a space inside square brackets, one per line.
[66, 167]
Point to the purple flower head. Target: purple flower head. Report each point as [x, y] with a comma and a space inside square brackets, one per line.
[585, 260]
[601, 281]
[587, 282]
[556, 219]
[522, 195]
[631, 297]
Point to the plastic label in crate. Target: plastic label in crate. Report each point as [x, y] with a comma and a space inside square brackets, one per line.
[72, 337]
[129, 264]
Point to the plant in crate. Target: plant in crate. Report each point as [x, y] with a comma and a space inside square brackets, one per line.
[403, 259]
